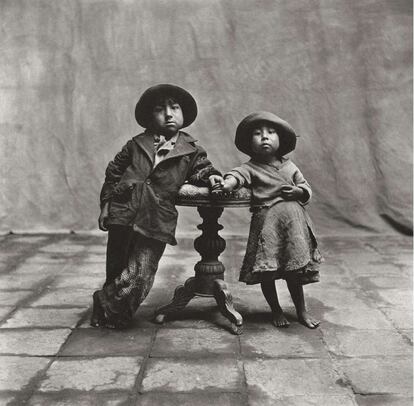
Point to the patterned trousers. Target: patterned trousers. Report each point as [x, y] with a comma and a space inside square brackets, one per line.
[121, 298]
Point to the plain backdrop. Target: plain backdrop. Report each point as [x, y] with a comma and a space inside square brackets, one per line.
[340, 72]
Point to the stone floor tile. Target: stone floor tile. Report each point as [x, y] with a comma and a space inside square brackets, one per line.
[95, 269]
[307, 400]
[364, 318]
[6, 399]
[373, 269]
[193, 342]
[12, 298]
[94, 258]
[99, 374]
[29, 239]
[44, 317]
[33, 341]
[401, 318]
[65, 297]
[50, 259]
[4, 311]
[83, 342]
[337, 298]
[295, 377]
[68, 398]
[383, 282]
[37, 269]
[380, 375]
[190, 399]
[62, 247]
[383, 400]
[78, 282]
[396, 297]
[96, 249]
[355, 343]
[18, 282]
[16, 372]
[408, 334]
[294, 341]
[188, 375]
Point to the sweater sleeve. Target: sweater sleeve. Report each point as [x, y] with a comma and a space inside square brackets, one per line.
[114, 172]
[201, 168]
[300, 181]
[242, 174]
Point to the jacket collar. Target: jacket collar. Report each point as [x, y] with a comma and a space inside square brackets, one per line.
[182, 146]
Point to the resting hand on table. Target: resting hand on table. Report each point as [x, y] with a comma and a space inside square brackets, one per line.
[225, 186]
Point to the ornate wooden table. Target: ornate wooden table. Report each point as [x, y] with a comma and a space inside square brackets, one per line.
[209, 271]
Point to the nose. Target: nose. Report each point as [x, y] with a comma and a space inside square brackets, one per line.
[265, 135]
[168, 112]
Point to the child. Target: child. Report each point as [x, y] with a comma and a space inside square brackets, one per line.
[282, 243]
[137, 200]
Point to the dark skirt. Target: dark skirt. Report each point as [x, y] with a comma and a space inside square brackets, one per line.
[281, 245]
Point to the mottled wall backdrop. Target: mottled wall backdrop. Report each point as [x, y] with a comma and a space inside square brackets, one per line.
[339, 71]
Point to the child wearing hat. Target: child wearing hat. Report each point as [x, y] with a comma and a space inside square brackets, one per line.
[137, 200]
[282, 242]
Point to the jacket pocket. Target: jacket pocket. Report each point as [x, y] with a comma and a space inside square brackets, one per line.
[123, 192]
[166, 218]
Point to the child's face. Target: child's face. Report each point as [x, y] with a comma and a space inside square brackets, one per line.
[167, 117]
[265, 141]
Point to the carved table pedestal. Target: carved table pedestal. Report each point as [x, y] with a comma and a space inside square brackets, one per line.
[209, 271]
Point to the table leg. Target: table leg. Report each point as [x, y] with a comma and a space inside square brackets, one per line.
[209, 273]
[182, 295]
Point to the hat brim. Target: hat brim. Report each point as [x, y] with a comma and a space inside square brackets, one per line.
[146, 103]
[287, 135]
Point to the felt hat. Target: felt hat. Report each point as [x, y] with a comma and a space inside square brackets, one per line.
[287, 135]
[143, 109]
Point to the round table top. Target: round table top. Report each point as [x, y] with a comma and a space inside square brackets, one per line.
[190, 195]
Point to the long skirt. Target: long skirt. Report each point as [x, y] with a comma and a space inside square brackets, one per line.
[281, 245]
[121, 298]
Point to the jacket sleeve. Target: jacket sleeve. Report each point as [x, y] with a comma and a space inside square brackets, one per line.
[300, 181]
[114, 172]
[201, 168]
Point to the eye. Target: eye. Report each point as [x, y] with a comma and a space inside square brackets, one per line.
[256, 133]
[271, 130]
[157, 109]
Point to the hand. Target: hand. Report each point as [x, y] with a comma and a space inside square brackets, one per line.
[216, 183]
[229, 184]
[292, 192]
[103, 217]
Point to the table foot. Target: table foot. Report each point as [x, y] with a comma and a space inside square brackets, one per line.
[224, 300]
[182, 296]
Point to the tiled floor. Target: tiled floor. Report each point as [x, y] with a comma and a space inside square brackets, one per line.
[360, 355]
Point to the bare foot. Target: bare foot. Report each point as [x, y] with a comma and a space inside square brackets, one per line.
[308, 320]
[279, 319]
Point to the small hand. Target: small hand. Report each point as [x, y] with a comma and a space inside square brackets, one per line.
[227, 186]
[292, 192]
[216, 183]
[103, 217]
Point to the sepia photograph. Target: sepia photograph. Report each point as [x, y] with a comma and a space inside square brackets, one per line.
[206, 202]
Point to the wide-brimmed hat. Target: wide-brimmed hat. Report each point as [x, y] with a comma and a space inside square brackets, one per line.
[146, 103]
[287, 135]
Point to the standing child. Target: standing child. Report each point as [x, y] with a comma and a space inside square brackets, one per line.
[282, 243]
[137, 200]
